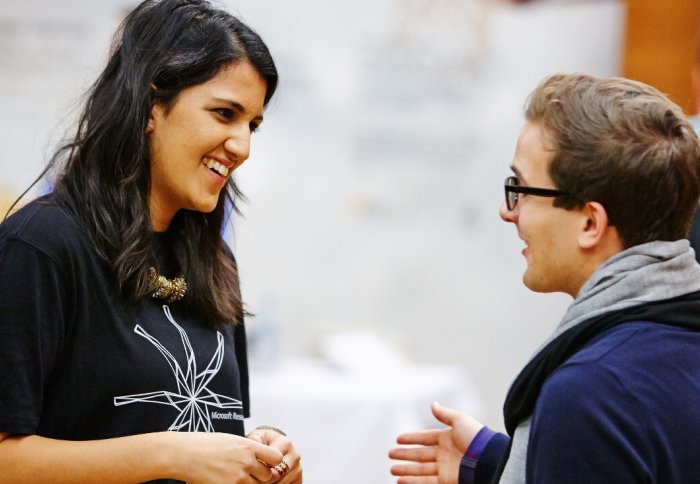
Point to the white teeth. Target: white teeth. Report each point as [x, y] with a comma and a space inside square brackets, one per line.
[223, 171]
[216, 166]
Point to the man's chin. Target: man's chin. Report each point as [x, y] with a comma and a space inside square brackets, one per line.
[535, 284]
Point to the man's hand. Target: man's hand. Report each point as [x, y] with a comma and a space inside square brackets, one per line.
[440, 451]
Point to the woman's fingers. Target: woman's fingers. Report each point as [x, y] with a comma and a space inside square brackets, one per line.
[266, 455]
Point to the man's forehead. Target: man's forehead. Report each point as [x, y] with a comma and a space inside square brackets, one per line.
[532, 157]
[522, 174]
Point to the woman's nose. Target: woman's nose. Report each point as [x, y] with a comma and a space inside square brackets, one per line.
[238, 145]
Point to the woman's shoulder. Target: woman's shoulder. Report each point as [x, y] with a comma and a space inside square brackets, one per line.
[43, 224]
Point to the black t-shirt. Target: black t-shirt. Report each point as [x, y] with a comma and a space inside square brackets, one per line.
[78, 362]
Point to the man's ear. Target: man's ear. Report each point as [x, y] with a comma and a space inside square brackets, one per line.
[595, 225]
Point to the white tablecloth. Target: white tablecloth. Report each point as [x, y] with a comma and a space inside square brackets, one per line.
[345, 421]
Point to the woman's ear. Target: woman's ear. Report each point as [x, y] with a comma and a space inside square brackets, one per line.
[150, 126]
[157, 112]
[595, 225]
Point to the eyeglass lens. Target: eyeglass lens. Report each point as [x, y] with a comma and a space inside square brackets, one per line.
[511, 196]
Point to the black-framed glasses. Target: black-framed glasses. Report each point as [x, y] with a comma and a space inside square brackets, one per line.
[513, 189]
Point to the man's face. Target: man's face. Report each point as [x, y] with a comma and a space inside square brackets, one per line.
[550, 233]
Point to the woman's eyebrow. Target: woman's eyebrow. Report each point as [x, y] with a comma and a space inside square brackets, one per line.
[237, 107]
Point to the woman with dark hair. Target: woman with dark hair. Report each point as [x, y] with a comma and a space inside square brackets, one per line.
[123, 352]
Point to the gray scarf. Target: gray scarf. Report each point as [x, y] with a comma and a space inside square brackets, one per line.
[645, 273]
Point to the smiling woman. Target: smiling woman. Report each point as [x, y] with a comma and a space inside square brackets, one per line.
[199, 141]
[122, 321]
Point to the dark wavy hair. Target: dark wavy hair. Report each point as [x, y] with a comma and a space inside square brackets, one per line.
[161, 48]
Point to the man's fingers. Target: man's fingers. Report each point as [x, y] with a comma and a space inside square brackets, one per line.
[417, 480]
[422, 437]
[414, 454]
[423, 469]
[444, 414]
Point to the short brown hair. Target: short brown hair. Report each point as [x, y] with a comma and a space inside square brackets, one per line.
[625, 145]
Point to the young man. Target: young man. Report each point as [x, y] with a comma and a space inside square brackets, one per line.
[606, 180]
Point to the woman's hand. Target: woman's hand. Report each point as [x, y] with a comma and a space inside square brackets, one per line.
[277, 440]
[219, 457]
[195, 457]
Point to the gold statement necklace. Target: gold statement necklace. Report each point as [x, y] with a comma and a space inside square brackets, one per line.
[170, 290]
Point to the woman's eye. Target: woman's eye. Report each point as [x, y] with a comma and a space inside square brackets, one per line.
[224, 112]
[254, 127]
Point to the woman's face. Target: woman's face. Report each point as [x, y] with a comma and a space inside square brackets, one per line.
[201, 139]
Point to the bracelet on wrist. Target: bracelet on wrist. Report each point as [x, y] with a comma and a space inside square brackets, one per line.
[270, 427]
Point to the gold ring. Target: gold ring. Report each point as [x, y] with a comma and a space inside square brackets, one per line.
[282, 468]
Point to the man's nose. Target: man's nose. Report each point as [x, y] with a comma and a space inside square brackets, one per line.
[507, 215]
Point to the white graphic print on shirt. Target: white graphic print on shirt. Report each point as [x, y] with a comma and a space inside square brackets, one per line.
[193, 398]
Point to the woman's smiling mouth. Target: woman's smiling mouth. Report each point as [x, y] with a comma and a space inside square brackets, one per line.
[216, 166]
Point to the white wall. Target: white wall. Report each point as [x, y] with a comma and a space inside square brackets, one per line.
[375, 181]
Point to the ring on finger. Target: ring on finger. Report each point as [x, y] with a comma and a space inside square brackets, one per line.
[282, 468]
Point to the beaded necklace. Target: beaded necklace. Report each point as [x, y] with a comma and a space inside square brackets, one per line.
[170, 290]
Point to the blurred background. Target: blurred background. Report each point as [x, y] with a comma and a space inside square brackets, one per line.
[370, 250]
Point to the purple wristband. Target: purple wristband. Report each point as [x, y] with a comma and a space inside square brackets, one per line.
[471, 458]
